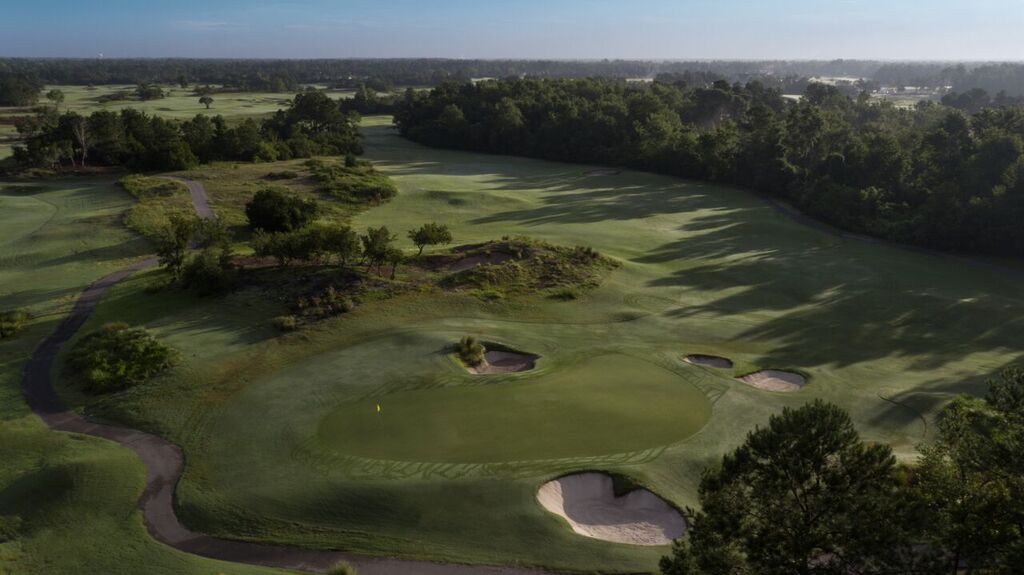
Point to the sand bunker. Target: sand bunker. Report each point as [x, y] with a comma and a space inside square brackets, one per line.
[602, 172]
[587, 501]
[774, 380]
[504, 362]
[708, 361]
[490, 259]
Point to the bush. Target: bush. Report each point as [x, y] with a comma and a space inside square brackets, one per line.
[285, 323]
[116, 356]
[342, 568]
[209, 272]
[11, 322]
[273, 210]
[282, 175]
[471, 351]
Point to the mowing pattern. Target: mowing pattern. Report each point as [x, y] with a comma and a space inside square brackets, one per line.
[164, 461]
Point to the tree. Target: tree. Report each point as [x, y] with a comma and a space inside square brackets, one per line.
[430, 234]
[55, 96]
[274, 210]
[377, 246]
[970, 482]
[803, 495]
[206, 101]
[80, 132]
[173, 245]
[343, 243]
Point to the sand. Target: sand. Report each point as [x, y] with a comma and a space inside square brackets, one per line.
[587, 501]
[708, 361]
[774, 380]
[504, 362]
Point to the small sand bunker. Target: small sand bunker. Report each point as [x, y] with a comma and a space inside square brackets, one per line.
[774, 380]
[708, 361]
[504, 362]
[490, 259]
[588, 502]
[602, 172]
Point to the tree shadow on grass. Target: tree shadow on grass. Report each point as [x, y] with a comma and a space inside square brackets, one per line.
[820, 299]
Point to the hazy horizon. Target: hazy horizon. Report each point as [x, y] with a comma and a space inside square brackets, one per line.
[663, 30]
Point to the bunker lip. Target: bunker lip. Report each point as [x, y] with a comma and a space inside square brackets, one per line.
[775, 380]
[708, 360]
[588, 503]
[504, 361]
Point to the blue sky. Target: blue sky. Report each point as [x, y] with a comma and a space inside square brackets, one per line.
[657, 29]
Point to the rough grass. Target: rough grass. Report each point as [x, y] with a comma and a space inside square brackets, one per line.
[158, 200]
[67, 502]
[887, 333]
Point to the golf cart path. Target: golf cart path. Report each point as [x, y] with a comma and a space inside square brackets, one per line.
[165, 462]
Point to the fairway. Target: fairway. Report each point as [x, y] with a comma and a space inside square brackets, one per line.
[609, 404]
[284, 444]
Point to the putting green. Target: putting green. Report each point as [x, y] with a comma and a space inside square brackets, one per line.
[609, 404]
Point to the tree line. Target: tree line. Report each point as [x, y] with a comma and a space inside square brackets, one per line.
[931, 176]
[806, 495]
[313, 124]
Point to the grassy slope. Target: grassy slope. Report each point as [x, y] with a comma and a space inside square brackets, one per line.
[67, 503]
[886, 333]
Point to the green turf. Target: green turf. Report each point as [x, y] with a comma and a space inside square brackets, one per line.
[67, 502]
[180, 103]
[561, 415]
[887, 333]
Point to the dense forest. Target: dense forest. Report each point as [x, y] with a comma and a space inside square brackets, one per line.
[931, 176]
[289, 75]
[314, 124]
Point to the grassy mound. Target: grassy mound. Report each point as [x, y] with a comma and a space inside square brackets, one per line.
[528, 266]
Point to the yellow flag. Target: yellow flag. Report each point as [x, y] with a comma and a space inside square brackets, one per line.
[378, 408]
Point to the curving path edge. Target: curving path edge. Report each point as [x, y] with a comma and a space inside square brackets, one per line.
[165, 462]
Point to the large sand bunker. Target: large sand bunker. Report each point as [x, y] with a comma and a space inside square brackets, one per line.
[708, 360]
[588, 502]
[774, 380]
[499, 361]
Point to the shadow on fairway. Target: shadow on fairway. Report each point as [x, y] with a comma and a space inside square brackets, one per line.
[834, 301]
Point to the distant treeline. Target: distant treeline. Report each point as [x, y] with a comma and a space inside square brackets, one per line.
[381, 74]
[931, 176]
[313, 125]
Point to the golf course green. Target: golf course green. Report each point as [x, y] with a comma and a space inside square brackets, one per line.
[581, 411]
[284, 444]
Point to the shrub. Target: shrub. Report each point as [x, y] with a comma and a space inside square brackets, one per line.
[566, 294]
[273, 210]
[116, 356]
[471, 351]
[282, 175]
[209, 272]
[11, 322]
[342, 568]
[285, 323]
